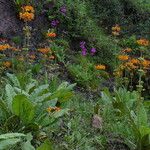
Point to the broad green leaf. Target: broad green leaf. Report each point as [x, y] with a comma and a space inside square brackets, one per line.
[142, 116]
[38, 91]
[60, 113]
[10, 93]
[27, 145]
[13, 79]
[23, 108]
[11, 135]
[5, 144]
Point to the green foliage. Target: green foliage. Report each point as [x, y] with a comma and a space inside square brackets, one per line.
[25, 109]
[83, 73]
[45, 146]
[125, 105]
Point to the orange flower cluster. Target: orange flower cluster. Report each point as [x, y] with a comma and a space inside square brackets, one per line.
[7, 64]
[32, 57]
[4, 47]
[52, 109]
[123, 57]
[52, 57]
[145, 63]
[44, 50]
[126, 50]
[143, 42]
[100, 67]
[51, 34]
[27, 13]
[116, 30]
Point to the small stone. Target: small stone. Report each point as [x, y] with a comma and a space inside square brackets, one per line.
[97, 122]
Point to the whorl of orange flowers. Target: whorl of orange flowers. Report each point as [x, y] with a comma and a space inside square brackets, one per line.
[129, 65]
[135, 61]
[7, 64]
[123, 57]
[100, 67]
[145, 63]
[44, 50]
[32, 56]
[51, 34]
[52, 109]
[143, 42]
[27, 13]
[127, 50]
[4, 47]
[52, 57]
[116, 30]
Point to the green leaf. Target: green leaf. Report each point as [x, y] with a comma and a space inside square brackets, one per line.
[11, 135]
[4, 144]
[27, 145]
[10, 93]
[142, 116]
[60, 113]
[13, 79]
[38, 91]
[45, 146]
[23, 108]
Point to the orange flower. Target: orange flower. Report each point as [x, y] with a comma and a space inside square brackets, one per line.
[130, 65]
[123, 57]
[49, 109]
[116, 30]
[51, 34]
[52, 109]
[135, 61]
[27, 13]
[7, 64]
[115, 33]
[145, 63]
[44, 50]
[28, 8]
[26, 16]
[57, 108]
[32, 57]
[4, 47]
[100, 67]
[14, 49]
[143, 42]
[127, 50]
[52, 57]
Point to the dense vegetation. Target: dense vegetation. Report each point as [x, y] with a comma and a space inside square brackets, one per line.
[76, 75]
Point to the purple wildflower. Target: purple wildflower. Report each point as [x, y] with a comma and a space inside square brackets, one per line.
[84, 50]
[63, 10]
[84, 53]
[93, 51]
[54, 23]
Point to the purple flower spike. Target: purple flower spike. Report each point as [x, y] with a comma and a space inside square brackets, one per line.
[84, 50]
[84, 53]
[54, 23]
[63, 10]
[93, 51]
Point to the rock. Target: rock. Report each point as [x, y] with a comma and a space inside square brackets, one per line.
[97, 122]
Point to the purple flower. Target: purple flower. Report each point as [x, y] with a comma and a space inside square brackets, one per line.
[63, 10]
[84, 50]
[93, 51]
[54, 23]
[84, 53]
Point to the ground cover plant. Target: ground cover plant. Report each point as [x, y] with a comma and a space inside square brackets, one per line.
[74, 75]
